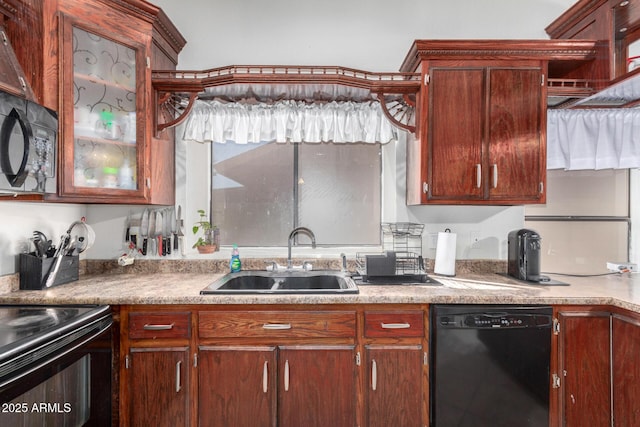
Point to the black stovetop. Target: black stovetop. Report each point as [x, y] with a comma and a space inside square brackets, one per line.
[24, 327]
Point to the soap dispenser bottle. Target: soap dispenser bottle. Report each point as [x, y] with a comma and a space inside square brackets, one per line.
[235, 263]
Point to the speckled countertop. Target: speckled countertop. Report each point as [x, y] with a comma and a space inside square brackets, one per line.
[181, 282]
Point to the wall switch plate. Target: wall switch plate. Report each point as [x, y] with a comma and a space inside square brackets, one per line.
[622, 266]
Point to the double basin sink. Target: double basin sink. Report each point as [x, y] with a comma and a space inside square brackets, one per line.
[283, 282]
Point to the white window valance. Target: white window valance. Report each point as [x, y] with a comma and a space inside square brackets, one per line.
[593, 139]
[288, 121]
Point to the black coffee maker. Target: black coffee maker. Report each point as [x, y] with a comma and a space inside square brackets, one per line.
[524, 255]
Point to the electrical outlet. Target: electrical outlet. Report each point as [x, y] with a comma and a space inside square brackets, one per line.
[474, 236]
[432, 240]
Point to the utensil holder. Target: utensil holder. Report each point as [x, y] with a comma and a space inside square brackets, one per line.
[34, 271]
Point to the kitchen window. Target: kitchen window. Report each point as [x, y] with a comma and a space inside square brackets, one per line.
[260, 192]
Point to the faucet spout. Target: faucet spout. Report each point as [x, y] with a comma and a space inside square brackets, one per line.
[292, 235]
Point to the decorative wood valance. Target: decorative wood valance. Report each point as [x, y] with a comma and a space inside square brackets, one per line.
[176, 91]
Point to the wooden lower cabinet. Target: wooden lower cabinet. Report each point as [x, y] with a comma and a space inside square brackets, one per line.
[269, 386]
[267, 367]
[158, 381]
[626, 370]
[584, 363]
[274, 366]
[237, 386]
[155, 369]
[394, 394]
[317, 386]
[599, 366]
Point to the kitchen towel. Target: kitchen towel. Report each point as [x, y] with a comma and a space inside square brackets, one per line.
[446, 254]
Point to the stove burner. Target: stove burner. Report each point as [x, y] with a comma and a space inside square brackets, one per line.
[32, 321]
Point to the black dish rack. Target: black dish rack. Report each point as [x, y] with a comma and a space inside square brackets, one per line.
[401, 260]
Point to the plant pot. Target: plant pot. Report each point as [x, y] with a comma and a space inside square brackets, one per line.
[206, 249]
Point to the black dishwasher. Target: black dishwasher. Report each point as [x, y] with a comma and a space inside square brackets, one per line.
[490, 365]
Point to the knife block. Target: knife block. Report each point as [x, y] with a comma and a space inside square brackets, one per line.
[34, 271]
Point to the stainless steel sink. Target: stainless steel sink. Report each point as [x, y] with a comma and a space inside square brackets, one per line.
[283, 282]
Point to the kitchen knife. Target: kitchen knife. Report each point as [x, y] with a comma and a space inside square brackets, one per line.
[159, 231]
[152, 233]
[166, 231]
[127, 228]
[180, 233]
[144, 230]
[174, 228]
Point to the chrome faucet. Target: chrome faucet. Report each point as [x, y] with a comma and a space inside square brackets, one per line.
[293, 233]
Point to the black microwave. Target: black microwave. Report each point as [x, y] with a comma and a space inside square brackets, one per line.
[28, 146]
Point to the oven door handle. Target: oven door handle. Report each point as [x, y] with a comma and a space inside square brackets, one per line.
[16, 179]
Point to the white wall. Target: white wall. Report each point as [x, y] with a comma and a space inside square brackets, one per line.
[372, 35]
[18, 220]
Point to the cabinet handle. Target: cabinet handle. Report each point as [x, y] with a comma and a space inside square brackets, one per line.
[478, 175]
[495, 175]
[286, 375]
[374, 375]
[151, 327]
[276, 326]
[265, 377]
[178, 380]
[395, 325]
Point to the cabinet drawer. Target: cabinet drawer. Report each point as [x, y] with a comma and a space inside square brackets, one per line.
[163, 325]
[278, 324]
[394, 323]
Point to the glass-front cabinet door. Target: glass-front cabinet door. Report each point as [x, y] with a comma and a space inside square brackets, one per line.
[103, 148]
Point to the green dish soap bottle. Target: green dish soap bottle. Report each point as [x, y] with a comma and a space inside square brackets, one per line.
[235, 263]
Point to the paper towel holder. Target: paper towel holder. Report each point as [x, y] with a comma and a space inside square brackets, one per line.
[445, 262]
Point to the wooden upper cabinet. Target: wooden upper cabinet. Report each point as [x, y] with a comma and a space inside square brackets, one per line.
[454, 134]
[103, 92]
[481, 120]
[91, 61]
[516, 163]
[484, 134]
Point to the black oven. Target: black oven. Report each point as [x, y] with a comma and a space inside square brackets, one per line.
[55, 365]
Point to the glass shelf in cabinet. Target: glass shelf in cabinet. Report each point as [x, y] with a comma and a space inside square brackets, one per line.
[101, 140]
[101, 81]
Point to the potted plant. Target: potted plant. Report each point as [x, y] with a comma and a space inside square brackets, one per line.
[205, 243]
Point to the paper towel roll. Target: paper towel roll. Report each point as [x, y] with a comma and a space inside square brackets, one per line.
[446, 254]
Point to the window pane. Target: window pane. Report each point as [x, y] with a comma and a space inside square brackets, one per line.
[339, 192]
[252, 193]
[338, 185]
